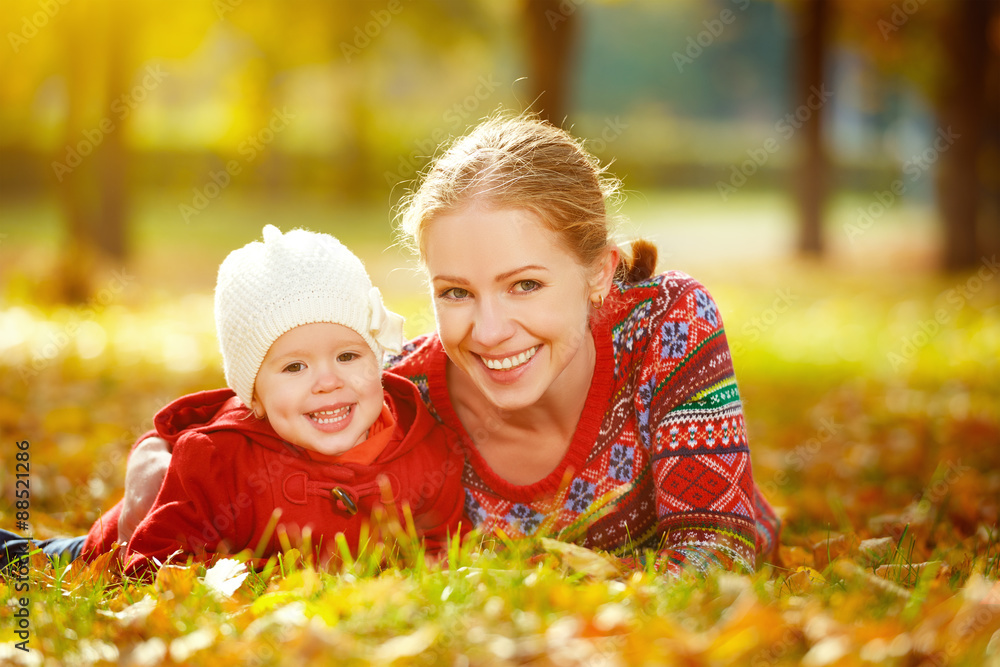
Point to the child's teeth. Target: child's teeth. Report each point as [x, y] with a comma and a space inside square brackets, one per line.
[330, 416]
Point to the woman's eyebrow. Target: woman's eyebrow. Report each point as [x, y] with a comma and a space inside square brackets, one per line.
[499, 278]
[450, 279]
[529, 267]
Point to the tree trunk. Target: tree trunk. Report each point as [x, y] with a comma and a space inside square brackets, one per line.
[112, 163]
[90, 169]
[813, 178]
[961, 106]
[989, 213]
[551, 32]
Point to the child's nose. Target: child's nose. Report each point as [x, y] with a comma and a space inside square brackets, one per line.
[328, 380]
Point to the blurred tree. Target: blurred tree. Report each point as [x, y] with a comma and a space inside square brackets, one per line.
[950, 51]
[101, 54]
[961, 105]
[812, 29]
[356, 37]
[95, 63]
[991, 142]
[91, 171]
[551, 29]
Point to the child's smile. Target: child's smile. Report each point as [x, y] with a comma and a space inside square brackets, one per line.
[320, 387]
[328, 416]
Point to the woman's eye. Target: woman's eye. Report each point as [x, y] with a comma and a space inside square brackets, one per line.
[526, 285]
[455, 293]
[294, 367]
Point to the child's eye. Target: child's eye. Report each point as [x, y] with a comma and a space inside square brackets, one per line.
[347, 356]
[526, 285]
[293, 367]
[454, 293]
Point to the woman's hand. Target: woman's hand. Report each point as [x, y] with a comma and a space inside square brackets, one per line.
[147, 466]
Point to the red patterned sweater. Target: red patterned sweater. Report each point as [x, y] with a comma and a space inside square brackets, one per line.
[659, 460]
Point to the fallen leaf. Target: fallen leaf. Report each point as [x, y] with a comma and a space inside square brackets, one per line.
[876, 547]
[150, 652]
[835, 546]
[134, 613]
[793, 557]
[803, 579]
[406, 646]
[582, 560]
[826, 651]
[906, 574]
[176, 579]
[184, 647]
[226, 576]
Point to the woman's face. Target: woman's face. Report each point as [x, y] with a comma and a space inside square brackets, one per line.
[512, 303]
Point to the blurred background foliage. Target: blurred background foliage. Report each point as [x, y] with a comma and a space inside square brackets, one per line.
[829, 168]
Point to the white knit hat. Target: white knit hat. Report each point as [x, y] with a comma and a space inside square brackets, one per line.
[265, 289]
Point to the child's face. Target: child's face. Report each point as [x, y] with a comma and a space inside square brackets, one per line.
[320, 388]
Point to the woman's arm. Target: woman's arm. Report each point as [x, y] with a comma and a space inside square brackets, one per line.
[196, 512]
[144, 473]
[697, 438]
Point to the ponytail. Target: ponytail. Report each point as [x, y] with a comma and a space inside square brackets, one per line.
[638, 264]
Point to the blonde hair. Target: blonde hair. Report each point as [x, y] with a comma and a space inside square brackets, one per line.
[526, 163]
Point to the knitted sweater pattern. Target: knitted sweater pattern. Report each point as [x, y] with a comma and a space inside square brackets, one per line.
[660, 460]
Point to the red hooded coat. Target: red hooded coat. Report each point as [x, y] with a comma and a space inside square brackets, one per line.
[230, 471]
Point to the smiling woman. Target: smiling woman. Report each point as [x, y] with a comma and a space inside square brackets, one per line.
[592, 397]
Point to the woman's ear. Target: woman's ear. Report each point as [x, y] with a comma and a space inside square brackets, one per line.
[604, 274]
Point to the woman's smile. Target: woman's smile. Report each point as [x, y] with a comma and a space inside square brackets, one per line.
[509, 362]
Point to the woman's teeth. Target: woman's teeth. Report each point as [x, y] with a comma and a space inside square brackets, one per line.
[510, 362]
[330, 416]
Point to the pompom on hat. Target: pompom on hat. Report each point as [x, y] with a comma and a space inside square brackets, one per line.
[267, 288]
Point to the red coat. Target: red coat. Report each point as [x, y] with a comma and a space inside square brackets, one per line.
[230, 471]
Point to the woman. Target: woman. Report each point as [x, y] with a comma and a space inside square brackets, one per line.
[595, 401]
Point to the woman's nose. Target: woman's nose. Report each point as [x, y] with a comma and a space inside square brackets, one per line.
[492, 324]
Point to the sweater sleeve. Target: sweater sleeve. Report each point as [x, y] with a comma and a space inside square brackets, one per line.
[444, 518]
[691, 419]
[196, 512]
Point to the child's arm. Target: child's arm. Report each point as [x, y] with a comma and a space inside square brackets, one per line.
[144, 474]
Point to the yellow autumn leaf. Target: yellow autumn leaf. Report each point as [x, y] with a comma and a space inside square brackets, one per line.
[175, 578]
[582, 560]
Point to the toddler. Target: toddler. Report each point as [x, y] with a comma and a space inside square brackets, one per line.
[309, 432]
